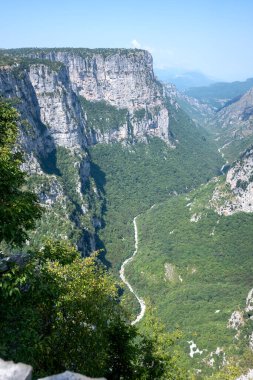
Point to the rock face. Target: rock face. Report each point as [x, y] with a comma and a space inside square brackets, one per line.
[240, 179]
[70, 99]
[237, 192]
[46, 102]
[236, 320]
[60, 110]
[122, 78]
[54, 139]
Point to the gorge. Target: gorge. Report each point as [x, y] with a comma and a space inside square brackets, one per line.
[107, 145]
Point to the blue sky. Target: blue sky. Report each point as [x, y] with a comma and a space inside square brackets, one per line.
[212, 36]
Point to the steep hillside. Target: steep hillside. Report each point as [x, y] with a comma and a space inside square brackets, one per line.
[201, 113]
[231, 121]
[194, 263]
[234, 126]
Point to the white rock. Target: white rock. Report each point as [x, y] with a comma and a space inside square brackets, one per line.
[67, 375]
[12, 371]
[236, 320]
[194, 349]
[248, 376]
[249, 301]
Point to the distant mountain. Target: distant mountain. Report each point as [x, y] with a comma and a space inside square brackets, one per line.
[225, 109]
[239, 112]
[219, 94]
[234, 124]
[183, 80]
[199, 112]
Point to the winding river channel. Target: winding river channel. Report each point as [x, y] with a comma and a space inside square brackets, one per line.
[123, 277]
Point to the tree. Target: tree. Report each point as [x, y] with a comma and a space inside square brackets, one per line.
[19, 209]
[63, 312]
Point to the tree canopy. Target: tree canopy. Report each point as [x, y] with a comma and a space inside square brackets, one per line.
[19, 208]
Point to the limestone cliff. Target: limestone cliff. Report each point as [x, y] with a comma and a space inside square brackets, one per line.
[70, 99]
[45, 99]
[122, 78]
[60, 110]
[53, 137]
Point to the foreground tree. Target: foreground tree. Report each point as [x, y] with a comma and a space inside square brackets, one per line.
[19, 208]
[63, 312]
[59, 312]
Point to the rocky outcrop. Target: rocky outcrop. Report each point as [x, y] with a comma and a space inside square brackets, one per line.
[15, 84]
[236, 320]
[240, 318]
[123, 78]
[240, 181]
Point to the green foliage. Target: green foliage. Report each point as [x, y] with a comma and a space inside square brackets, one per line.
[19, 209]
[211, 260]
[82, 52]
[56, 221]
[134, 177]
[229, 372]
[25, 62]
[62, 312]
[160, 353]
[236, 147]
[61, 315]
[69, 163]
[20, 62]
[103, 116]
[139, 114]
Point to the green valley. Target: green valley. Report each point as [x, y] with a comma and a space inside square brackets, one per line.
[195, 267]
[134, 177]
